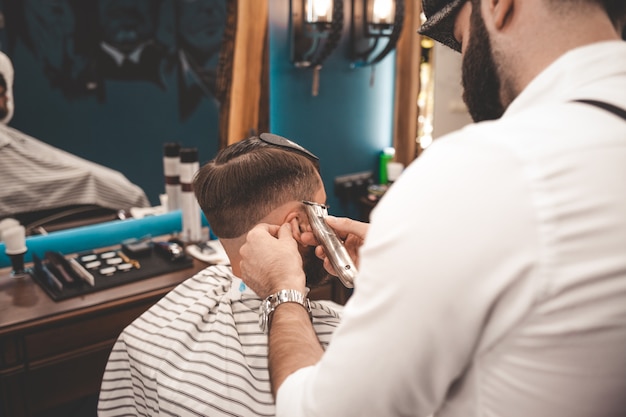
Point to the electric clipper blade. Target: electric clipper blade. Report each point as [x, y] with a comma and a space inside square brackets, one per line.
[333, 246]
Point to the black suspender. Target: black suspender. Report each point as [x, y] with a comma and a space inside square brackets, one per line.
[618, 111]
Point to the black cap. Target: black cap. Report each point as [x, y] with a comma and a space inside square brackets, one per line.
[440, 17]
[171, 149]
[189, 155]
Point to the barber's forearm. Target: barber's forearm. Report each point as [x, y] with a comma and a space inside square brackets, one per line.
[293, 343]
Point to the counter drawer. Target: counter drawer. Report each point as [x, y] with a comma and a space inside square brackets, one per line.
[77, 334]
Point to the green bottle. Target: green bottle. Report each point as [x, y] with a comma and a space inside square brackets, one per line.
[385, 156]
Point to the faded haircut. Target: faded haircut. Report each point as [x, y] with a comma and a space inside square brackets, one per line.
[249, 179]
[616, 9]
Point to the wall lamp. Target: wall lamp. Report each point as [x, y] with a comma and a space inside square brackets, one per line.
[316, 27]
[373, 23]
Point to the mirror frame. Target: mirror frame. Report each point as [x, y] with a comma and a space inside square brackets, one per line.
[243, 76]
[406, 111]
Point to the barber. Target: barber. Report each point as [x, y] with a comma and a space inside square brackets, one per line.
[492, 279]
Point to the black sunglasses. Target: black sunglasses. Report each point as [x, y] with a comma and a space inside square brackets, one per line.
[282, 142]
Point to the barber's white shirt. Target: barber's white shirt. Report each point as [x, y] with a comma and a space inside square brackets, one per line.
[493, 278]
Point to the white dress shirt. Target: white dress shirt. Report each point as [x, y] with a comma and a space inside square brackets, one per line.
[493, 277]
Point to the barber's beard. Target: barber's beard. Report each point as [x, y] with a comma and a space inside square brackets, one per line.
[481, 81]
[313, 267]
[4, 112]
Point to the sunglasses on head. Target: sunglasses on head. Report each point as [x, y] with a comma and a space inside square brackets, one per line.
[282, 142]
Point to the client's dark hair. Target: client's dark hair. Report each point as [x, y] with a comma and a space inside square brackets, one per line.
[3, 81]
[249, 179]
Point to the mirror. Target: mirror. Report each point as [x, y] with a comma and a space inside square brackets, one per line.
[122, 123]
[112, 81]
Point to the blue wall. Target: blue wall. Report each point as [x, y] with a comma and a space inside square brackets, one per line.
[348, 123]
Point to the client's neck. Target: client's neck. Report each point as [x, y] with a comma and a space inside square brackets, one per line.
[231, 246]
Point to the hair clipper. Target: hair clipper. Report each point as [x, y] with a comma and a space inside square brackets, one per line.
[334, 248]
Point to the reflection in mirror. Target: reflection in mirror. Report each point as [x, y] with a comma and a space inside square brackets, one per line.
[108, 82]
[42, 184]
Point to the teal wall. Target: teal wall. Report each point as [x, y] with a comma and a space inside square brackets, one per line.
[348, 123]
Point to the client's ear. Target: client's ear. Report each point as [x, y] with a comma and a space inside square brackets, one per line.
[299, 223]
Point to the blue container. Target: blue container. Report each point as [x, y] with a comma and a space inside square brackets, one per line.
[99, 235]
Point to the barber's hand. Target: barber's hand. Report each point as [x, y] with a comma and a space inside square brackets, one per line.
[271, 261]
[352, 233]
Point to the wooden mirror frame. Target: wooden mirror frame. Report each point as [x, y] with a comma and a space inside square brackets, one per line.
[243, 76]
[408, 55]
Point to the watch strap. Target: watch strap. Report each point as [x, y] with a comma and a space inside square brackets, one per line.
[268, 306]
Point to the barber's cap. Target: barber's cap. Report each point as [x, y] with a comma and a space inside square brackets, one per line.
[439, 25]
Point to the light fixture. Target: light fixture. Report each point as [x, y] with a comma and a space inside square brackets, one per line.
[316, 27]
[374, 21]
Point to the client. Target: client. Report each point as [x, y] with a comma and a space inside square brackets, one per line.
[37, 176]
[200, 351]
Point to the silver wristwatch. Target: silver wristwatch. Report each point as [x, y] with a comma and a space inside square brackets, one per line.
[283, 296]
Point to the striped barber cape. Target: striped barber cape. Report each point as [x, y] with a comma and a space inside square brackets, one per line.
[198, 352]
[36, 176]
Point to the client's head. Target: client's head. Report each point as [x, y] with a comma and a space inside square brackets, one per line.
[262, 179]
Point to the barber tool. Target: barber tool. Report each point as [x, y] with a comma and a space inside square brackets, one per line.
[137, 248]
[60, 268]
[191, 222]
[333, 246]
[133, 262]
[211, 252]
[82, 272]
[108, 271]
[15, 241]
[173, 251]
[43, 272]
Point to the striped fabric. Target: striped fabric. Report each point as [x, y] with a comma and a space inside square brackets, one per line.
[198, 352]
[36, 176]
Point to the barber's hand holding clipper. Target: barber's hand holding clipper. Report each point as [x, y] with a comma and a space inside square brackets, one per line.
[351, 232]
[271, 261]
